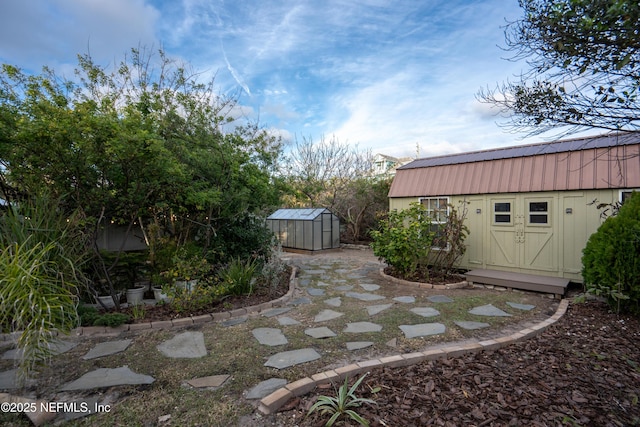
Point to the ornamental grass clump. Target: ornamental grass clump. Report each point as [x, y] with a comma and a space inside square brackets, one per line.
[343, 405]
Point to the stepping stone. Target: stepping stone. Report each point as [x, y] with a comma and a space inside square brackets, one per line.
[369, 287]
[375, 309]
[488, 310]
[236, 321]
[405, 299]
[187, 345]
[9, 379]
[276, 311]
[106, 349]
[471, 325]
[422, 330]
[320, 333]
[299, 301]
[362, 327]
[358, 345]
[212, 382]
[344, 288]
[393, 343]
[325, 315]
[304, 282]
[315, 292]
[425, 311]
[323, 284]
[270, 336]
[265, 388]
[364, 297]
[525, 307]
[287, 321]
[334, 302]
[106, 377]
[291, 358]
[57, 347]
[314, 272]
[439, 298]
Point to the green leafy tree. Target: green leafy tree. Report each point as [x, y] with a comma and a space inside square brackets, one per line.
[611, 258]
[584, 60]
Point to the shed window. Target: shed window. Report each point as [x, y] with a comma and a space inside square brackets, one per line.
[625, 194]
[538, 212]
[502, 212]
[438, 209]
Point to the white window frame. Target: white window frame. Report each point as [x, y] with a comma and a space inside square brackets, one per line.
[626, 190]
[438, 220]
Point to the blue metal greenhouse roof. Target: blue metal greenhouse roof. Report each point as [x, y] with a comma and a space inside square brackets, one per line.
[308, 214]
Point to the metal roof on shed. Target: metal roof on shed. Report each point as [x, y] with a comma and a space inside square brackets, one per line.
[308, 214]
[607, 161]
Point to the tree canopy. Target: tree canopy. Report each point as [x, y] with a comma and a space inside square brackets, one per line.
[584, 59]
[146, 140]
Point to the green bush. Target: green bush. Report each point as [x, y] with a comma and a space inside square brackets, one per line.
[87, 315]
[111, 319]
[611, 258]
[243, 237]
[404, 239]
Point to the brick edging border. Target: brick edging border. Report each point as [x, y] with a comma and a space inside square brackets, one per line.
[458, 285]
[181, 322]
[278, 398]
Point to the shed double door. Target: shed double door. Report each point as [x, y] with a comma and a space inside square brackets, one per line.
[521, 233]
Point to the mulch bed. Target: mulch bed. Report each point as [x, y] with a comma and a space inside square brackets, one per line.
[582, 371]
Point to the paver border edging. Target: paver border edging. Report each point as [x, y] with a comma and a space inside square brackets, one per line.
[458, 285]
[184, 321]
[274, 401]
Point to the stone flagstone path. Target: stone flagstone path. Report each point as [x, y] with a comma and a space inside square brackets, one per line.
[317, 279]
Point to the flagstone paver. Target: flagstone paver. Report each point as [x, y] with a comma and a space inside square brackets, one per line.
[422, 329]
[369, 287]
[276, 311]
[375, 309]
[326, 315]
[57, 347]
[362, 327]
[286, 359]
[106, 377]
[334, 302]
[320, 333]
[107, 348]
[270, 336]
[524, 307]
[364, 297]
[287, 321]
[299, 301]
[210, 382]
[488, 310]
[471, 325]
[425, 311]
[439, 298]
[235, 321]
[405, 299]
[344, 288]
[187, 345]
[315, 292]
[358, 345]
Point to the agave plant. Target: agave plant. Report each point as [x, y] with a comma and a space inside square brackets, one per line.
[343, 404]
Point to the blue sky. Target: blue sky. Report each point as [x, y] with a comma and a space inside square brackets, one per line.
[385, 75]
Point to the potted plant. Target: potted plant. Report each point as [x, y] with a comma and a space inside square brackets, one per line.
[186, 270]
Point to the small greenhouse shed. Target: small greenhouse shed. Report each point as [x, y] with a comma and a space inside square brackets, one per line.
[310, 229]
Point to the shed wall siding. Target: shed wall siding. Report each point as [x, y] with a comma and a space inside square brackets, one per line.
[554, 249]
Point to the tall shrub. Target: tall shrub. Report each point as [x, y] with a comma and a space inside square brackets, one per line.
[404, 239]
[611, 258]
